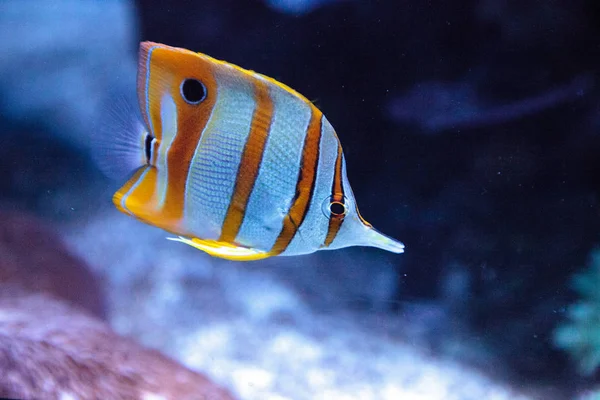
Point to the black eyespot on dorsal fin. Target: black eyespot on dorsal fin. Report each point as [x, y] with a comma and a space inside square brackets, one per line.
[193, 91]
[337, 208]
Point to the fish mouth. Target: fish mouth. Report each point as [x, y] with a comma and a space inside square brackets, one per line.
[374, 238]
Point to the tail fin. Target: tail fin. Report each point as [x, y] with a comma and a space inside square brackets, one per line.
[119, 145]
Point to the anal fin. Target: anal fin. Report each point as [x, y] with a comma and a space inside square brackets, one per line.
[224, 250]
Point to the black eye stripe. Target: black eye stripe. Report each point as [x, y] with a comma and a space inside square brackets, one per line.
[148, 147]
[193, 91]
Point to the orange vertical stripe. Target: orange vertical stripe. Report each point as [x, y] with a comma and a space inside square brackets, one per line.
[141, 201]
[191, 121]
[305, 185]
[364, 221]
[118, 196]
[337, 195]
[250, 162]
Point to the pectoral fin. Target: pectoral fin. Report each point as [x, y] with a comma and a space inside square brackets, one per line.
[223, 249]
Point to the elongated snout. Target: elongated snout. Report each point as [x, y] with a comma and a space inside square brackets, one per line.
[372, 237]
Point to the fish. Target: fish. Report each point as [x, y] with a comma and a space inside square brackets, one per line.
[232, 162]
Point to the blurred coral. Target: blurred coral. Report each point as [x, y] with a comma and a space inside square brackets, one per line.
[580, 334]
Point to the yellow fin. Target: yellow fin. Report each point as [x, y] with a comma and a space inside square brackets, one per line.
[223, 249]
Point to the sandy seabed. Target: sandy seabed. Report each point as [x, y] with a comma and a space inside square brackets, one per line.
[254, 331]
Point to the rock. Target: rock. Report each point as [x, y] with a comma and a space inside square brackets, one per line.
[53, 343]
[74, 355]
[33, 259]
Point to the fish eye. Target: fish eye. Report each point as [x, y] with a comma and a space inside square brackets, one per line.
[193, 91]
[335, 207]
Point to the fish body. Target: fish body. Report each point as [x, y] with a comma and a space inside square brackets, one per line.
[235, 163]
